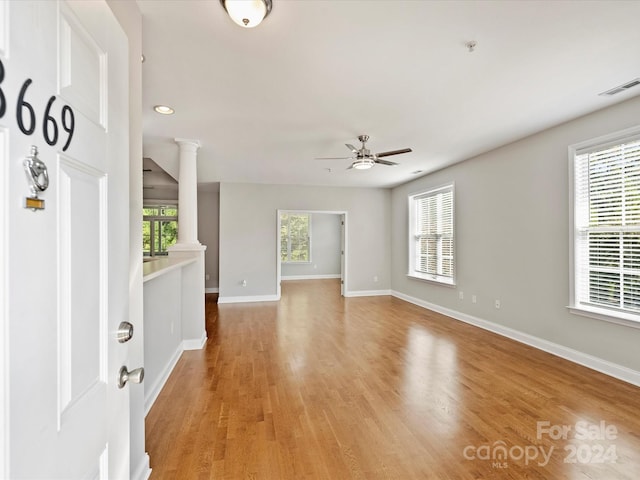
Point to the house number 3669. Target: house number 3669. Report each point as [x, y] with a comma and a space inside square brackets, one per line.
[26, 115]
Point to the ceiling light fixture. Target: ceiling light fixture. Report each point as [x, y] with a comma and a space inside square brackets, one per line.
[247, 13]
[163, 109]
[362, 164]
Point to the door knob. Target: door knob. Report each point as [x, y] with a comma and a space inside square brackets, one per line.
[136, 376]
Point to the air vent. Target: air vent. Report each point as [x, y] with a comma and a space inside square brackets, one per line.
[621, 88]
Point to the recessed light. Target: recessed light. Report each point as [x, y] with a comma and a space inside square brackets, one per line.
[163, 109]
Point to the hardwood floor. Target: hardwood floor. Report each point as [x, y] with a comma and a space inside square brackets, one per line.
[319, 386]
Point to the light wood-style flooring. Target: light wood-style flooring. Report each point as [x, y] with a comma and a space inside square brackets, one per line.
[317, 386]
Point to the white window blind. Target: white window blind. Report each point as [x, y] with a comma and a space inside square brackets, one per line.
[607, 227]
[432, 235]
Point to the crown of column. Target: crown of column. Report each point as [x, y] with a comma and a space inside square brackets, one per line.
[188, 143]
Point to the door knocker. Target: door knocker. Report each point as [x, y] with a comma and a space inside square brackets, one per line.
[38, 178]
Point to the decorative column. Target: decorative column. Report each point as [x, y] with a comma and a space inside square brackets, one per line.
[188, 194]
[189, 249]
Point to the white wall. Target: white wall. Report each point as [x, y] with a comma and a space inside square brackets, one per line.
[512, 239]
[208, 217]
[325, 249]
[248, 229]
[163, 330]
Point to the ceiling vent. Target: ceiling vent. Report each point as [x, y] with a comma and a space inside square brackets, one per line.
[621, 88]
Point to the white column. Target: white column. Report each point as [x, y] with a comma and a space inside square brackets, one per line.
[188, 248]
[188, 193]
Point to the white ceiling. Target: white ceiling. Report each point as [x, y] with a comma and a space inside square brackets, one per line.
[265, 101]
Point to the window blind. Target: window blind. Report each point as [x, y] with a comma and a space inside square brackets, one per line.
[607, 226]
[432, 225]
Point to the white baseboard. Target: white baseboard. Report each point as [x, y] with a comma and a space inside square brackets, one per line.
[367, 293]
[143, 472]
[195, 343]
[310, 277]
[211, 290]
[250, 299]
[595, 363]
[151, 396]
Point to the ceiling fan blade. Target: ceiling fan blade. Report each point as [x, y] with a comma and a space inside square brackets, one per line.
[351, 147]
[385, 162]
[393, 152]
[333, 158]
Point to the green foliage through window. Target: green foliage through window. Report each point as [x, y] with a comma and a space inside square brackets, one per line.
[159, 229]
[295, 237]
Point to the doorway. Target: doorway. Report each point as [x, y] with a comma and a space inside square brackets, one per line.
[296, 218]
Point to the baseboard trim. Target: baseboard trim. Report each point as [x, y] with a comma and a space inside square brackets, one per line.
[250, 299]
[595, 363]
[151, 396]
[310, 277]
[211, 290]
[143, 472]
[195, 343]
[367, 293]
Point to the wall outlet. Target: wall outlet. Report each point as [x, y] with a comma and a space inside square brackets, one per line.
[474, 299]
[207, 277]
[375, 278]
[243, 283]
[461, 295]
[497, 304]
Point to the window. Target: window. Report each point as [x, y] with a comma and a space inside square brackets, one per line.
[431, 240]
[295, 237]
[606, 233]
[159, 229]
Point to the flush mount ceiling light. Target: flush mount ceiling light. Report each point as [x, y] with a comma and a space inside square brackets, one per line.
[247, 13]
[164, 109]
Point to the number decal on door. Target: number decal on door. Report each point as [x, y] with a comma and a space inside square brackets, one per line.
[3, 100]
[26, 115]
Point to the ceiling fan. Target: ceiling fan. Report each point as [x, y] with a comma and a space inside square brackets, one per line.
[363, 158]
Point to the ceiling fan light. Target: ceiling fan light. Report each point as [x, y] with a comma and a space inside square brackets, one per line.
[247, 13]
[363, 164]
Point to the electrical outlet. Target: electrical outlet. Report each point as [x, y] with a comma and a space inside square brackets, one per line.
[497, 304]
[207, 277]
[474, 299]
[375, 278]
[243, 283]
[461, 295]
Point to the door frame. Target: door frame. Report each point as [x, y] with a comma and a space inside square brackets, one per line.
[343, 214]
[4, 317]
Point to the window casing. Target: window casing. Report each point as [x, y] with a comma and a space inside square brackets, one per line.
[159, 229]
[431, 235]
[606, 228]
[295, 237]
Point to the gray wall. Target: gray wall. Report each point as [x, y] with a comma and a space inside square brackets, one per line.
[325, 249]
[208, 214]
[512, 239]
[248, 229]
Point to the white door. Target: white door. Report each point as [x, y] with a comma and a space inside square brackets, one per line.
[65, 91]
[343, 247]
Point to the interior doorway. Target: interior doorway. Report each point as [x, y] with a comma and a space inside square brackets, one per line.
[303, 253]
